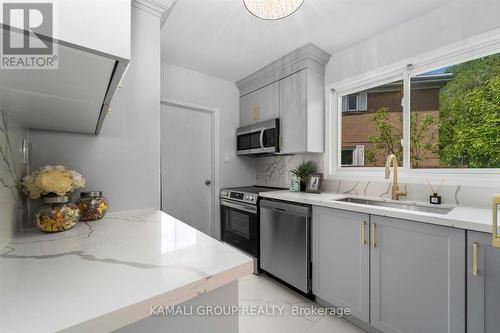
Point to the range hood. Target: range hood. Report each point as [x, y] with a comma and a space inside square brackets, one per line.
[75, 96]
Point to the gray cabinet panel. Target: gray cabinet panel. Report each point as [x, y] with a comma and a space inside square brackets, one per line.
[483, 288]
[341, 260]
[260, 105]
[293, 113]
[417, 277]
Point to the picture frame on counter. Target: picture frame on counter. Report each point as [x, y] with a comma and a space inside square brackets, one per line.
[314, 182]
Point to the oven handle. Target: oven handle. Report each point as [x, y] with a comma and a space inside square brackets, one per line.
[240, 206]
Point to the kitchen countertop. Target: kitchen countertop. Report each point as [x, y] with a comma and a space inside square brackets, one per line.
[470, 218]
[103, 275]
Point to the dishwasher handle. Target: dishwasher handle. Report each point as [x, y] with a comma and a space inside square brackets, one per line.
[286, 208]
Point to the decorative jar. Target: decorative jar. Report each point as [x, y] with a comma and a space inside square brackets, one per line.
[295, 184]
[57, 214]
[93, 205]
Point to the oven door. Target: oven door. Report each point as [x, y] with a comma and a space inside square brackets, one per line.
[240, 226]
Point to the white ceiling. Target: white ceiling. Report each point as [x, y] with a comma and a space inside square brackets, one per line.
[221, 38]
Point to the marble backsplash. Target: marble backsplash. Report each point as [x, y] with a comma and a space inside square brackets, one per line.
[12, 170]
[275, 171]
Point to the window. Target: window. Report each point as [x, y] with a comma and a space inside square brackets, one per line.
[452, 117]
[353, 156]
[376, 132]
[455, 116]
[354, 102]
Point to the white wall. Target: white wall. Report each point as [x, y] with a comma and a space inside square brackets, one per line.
[11, 171]
[445, 25]
[193, 87]
[124, 160]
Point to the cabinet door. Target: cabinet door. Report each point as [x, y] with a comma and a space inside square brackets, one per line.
[483, 284]
[260, 105]
[417, 277]
[293, 113]
[340, 259]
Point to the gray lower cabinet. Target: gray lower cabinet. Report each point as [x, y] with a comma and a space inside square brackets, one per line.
[483, 284]
[417, 278]
[340, 259]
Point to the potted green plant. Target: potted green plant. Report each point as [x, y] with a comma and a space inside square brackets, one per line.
[303, 171]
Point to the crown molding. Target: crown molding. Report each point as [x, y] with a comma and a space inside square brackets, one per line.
[308, 56]
[158, 8]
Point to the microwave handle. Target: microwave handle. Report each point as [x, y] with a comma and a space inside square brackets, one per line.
[261, 138]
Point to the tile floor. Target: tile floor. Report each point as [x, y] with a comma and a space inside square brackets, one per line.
[260, 290]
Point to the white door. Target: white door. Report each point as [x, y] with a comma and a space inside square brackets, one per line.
[186, 165]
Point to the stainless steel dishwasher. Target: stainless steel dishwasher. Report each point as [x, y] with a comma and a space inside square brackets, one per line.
[284, 242]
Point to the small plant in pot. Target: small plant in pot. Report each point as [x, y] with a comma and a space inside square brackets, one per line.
[54, 185]
[303, 171]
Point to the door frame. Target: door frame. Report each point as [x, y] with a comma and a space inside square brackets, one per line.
[215, 176]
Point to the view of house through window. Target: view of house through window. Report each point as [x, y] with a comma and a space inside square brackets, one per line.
[454, 119]
[375, 128]
[455, 116]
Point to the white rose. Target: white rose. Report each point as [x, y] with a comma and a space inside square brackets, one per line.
[78, 180]
[46, 168]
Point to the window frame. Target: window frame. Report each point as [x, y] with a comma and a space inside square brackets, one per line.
[431, 61]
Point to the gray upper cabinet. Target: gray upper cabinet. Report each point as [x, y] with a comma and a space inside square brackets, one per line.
[302, 113]
[483, 284]
[74, 98]
[340, 259]
[291, 88]
[417, 277]
[260, 105]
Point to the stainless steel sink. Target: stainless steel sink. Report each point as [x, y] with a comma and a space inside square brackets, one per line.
[400, 205]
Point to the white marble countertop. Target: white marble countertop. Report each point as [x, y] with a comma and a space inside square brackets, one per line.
[103, 275]
[470, 218]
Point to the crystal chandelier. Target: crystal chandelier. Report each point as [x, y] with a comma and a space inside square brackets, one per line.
[272, 9]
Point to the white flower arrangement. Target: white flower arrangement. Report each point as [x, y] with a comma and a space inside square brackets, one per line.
[52, 179]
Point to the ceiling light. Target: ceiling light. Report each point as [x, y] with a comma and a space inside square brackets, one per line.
[272, 9]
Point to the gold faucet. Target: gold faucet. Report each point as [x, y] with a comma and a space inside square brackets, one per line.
[396, 193]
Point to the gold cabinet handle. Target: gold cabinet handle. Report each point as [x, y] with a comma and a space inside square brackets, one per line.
[496, 236]
[475, 246]
[374, 238]
[363, 238]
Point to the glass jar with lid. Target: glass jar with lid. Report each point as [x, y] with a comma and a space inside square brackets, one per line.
[93, 205]
[57, 214]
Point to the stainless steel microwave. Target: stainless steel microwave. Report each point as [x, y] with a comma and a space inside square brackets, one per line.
[259, 138]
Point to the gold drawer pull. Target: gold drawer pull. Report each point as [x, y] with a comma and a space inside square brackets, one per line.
[363, 238]
[496, 236]
[374, 238]
[475, 246]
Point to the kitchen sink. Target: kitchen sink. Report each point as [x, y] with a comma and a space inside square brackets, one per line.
[400, 205]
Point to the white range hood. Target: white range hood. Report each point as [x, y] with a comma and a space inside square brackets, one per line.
[93, 54]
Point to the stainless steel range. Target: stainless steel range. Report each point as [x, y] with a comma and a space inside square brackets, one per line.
[240, 221]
